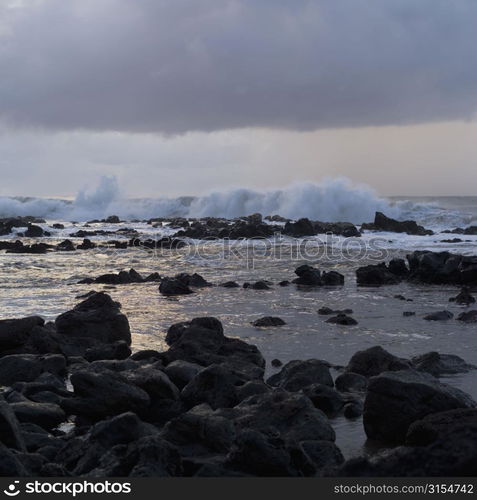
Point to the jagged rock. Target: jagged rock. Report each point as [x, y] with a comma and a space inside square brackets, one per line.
[383, 223]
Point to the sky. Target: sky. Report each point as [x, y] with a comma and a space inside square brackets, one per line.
[178, 97]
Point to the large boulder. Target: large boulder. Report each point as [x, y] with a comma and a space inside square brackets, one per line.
[376, 275]
[300, 228]
[308, 276]
[325, 398]
[464, 297]
[216, 385]
[200, 431]
[375, 360]
[291, 416]
[395, 400]
[98, 318]
[174, 286]
[383, 223]
[104, 393]
[440, 364]
[440, 445]
[202, 341]
[442, 267]
[297, 375]
[15, 332]
[28, 367]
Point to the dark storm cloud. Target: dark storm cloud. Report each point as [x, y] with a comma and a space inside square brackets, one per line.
[171, 66]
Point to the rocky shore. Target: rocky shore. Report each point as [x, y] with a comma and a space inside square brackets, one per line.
[77, 402]
[78, 398]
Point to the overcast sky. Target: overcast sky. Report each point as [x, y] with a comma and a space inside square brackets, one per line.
[183, 96]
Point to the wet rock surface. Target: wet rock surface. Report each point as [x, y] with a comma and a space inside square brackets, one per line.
[203, 408]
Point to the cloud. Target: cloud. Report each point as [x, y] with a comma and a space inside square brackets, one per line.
[172, 66]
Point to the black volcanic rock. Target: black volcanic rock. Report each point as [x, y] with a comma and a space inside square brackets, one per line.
[468, 316]
[34, 231]
[376, 275]
[98, 317]
[300, 228]
[342, 319]
[296, 375]
[439, 316]
[308, 276]
[375, 360]
[440, 364]
[173, 286]
[464, 297]
[383, 223]
[442, 267]
[395, 400]
[268, 321]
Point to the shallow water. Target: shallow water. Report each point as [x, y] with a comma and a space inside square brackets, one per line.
[47, 285]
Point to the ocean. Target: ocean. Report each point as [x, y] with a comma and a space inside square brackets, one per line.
[47, 284]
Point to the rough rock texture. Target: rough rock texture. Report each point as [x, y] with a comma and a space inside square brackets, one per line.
[383, 223]
[98, 318]
[440, 364]
[397, 399]
[296, 375]
[374, 361]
